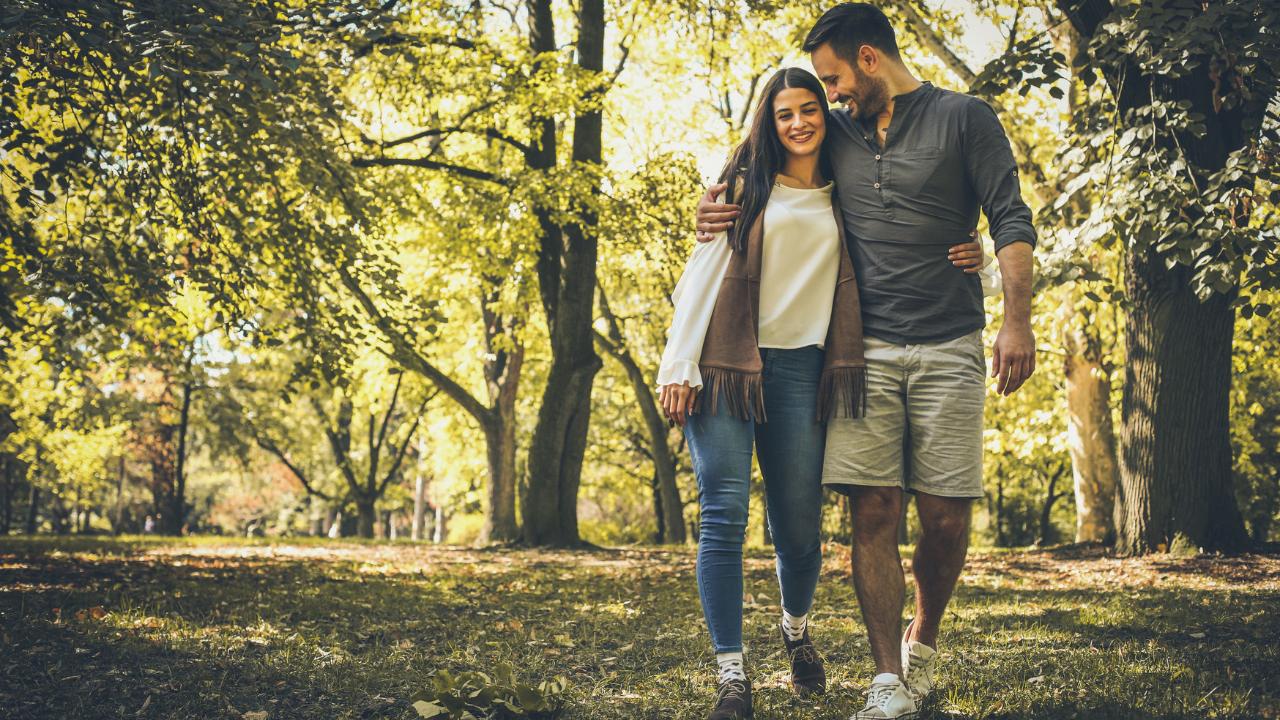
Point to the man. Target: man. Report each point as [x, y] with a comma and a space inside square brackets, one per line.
[913, 164]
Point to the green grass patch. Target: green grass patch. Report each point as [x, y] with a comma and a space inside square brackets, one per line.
[251, 629]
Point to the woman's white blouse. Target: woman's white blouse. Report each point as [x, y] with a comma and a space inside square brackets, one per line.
[800, 261]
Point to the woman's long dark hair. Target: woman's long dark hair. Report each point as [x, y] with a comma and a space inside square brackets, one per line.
[755, 163]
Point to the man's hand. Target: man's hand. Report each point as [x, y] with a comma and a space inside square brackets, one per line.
[714, 217]
[1013, 358]
[968, 256]
[677, 402]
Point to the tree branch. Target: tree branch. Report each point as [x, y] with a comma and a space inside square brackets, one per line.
[268, 445]
[394, 39]
[408, 356]
[404, 446]
[431, 165]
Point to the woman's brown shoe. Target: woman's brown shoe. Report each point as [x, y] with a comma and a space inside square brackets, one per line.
[808, 676]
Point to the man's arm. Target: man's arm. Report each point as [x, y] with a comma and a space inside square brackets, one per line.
[1013, 358]
[714, 217]
[993, 174]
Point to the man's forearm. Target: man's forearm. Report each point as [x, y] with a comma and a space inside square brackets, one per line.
[1015, 269]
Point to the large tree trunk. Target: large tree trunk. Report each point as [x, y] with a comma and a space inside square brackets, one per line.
[550, 507]
[1175, 468]
[1175, 457]
[367, 516]
[1090, 435]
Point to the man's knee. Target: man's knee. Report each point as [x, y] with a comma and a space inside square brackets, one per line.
[876, 510]
[945, 519]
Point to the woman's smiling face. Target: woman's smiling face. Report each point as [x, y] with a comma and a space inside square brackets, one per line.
[798, 117]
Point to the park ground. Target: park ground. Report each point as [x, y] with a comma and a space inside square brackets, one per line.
[260, 629]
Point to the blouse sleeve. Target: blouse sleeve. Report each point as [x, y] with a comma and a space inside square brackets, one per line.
[694, 298]
[992, 281]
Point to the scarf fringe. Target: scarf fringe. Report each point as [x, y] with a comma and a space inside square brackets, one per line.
[743, 393]
[842, 392]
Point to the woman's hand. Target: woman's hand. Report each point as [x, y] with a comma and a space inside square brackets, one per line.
[677, 402]
[968, 257]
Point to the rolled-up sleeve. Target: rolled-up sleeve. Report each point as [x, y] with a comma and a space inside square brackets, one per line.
[993, 173]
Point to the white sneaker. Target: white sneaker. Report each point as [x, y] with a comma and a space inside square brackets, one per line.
[888, 699]
[918, 661]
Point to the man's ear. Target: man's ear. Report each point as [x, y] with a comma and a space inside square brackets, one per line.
[868, 58]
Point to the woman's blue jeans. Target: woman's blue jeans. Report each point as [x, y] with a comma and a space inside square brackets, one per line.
[789, 446]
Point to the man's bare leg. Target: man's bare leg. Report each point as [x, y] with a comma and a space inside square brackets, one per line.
[938, 561]
[877, 571]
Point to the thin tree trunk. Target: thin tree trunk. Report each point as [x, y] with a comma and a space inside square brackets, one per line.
[439, 532]
[550, 507]
[175, 513]
[1090, 435]
[667, 502]
[33, 508]
[419, 497]
[1046, 510]
[6, 520]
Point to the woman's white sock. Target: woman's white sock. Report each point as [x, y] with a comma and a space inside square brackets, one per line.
[793, 625]
[730, 666]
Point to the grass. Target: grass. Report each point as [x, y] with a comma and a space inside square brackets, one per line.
[250, 629]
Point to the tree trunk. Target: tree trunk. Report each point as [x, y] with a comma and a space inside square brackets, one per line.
[33, 508]
[1090, 436]
[366, 517]
[550, 507]
[1175, 469]
[1046, 510]
[660, 531]
[174, 512]
[6, 467]
[500, 524]
[439, 532]
[667, 505]
[419, 499]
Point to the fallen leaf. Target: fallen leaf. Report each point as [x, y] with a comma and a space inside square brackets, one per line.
[255, 715]
[428, 710]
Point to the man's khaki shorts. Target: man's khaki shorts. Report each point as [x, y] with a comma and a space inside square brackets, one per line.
[923, 427]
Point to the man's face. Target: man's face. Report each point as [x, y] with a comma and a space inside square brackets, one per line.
[863, 93]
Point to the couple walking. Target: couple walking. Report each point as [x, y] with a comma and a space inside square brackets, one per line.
[831, 318]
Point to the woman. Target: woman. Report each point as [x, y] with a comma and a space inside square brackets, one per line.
[764, 346]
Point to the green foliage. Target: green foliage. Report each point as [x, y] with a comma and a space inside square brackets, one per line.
[475, 695]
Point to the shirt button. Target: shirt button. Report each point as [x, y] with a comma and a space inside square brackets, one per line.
[877, 186]
[877, 157]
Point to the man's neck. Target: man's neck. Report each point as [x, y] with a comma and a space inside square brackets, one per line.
[898, 81]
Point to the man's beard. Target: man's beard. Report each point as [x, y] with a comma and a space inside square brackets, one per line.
[872, 97]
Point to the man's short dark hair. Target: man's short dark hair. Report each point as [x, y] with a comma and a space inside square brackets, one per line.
[848, 26]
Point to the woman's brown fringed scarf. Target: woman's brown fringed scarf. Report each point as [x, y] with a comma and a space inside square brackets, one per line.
[731, 366]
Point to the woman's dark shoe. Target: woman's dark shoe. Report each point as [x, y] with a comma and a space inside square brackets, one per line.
[808, 676]
[733, 701]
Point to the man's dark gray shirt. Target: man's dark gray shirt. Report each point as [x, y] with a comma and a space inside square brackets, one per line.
[945, 156]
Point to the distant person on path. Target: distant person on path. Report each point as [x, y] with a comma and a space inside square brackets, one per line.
[765, 344]
[148, 525]
[913, 164]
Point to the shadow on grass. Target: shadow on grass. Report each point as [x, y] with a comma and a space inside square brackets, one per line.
[313, 629]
